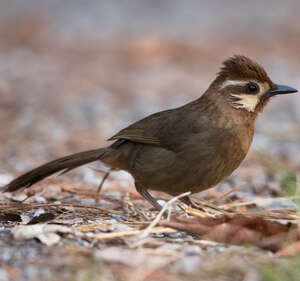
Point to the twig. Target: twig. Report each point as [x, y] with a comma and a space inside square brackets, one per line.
[103, 180]
[119, 234]
[41, 205]
[229, 192]
[92, 195]
[147, 231]
[97, 170]
[198, 213]
[213, 206]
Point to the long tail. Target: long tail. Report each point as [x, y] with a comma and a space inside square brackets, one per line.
[63, 164]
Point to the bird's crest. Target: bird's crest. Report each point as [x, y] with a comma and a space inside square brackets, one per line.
[242, 68]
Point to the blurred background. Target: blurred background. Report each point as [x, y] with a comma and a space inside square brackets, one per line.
[72, 73]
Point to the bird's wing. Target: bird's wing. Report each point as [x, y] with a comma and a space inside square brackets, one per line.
[136, 135]
[156, 129]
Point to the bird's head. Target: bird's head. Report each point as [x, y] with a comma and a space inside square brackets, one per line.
[246, 85]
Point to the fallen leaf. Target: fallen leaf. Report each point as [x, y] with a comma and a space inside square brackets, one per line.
[291, 250]
[46, 233]
[237, 229]
[42, 218]
[10, 217]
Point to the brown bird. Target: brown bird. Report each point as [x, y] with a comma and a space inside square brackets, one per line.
[189, 148]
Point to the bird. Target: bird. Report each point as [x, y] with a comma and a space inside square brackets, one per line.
[190, 148]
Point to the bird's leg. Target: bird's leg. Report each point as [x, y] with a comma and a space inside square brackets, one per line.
[187, 200]
[148, 197]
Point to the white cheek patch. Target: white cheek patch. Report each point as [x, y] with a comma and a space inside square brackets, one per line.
[248, 102]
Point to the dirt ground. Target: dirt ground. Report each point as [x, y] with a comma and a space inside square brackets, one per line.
[73, 74]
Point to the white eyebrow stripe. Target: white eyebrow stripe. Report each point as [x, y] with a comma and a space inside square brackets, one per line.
[233, 82]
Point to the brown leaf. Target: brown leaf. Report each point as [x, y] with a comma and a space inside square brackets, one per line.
[237, 229]
[42, 218]
[290, 250]
[10, 217]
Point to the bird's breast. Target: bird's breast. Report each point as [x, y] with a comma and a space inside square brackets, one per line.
[214, 155]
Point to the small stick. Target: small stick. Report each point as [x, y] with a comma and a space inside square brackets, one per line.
[102, 183]
[119, 234]
[229, 192]
[147, 231]
[106, 174]
[103, 180]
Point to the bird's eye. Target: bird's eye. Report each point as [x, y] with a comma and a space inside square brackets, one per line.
[252, 88]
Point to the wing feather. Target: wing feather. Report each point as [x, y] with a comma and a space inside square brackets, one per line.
[166, 128]
[136, 135]
[150, 130]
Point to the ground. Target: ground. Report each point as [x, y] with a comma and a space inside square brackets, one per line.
[68, 82]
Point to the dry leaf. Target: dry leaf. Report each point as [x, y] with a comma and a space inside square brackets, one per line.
[42, 218]
[46, 233]
[237, 229]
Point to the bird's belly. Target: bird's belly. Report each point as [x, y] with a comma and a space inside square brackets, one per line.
[164, 170]
[197, 178]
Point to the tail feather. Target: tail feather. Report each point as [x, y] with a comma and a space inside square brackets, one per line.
[63, 164]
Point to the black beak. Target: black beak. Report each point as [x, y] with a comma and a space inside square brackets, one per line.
[279, 90]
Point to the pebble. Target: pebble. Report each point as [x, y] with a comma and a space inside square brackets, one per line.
[5, 179]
